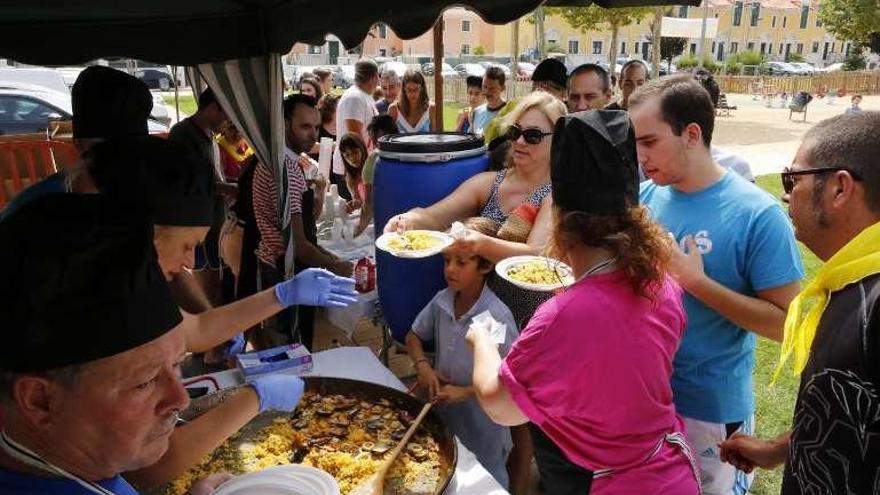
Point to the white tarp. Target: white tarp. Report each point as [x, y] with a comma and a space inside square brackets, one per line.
[676, 27]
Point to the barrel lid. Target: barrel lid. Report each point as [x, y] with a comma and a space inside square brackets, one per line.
[436, 142]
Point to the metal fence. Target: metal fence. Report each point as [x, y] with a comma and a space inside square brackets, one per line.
[863, 82]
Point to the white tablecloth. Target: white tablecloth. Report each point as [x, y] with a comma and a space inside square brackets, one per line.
[359, 363]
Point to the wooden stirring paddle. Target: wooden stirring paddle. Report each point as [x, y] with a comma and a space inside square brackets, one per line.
[375, 484]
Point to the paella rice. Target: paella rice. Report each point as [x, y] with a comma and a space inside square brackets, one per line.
[344, 436]
[535, 272]
[413, 241]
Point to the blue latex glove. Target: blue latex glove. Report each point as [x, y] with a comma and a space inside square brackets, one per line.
[234, 346]
[278, 392]
[316, 287]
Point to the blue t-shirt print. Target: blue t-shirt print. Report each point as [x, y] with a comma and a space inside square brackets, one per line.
[748, 245]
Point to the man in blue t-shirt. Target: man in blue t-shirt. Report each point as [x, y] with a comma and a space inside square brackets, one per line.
[738, 264]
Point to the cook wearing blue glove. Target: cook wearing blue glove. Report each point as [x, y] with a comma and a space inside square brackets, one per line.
[278, 392]
[316, 287]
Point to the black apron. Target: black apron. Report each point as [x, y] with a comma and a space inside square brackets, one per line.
[559, 476]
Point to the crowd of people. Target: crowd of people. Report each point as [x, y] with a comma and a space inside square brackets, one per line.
[636, 378]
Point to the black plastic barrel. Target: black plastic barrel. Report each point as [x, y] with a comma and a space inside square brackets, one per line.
[417, 170]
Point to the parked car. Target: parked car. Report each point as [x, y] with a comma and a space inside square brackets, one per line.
[27, 110]
[155, 78]
[399, 68]
[446, 70]
[467, 70]
[524, 70]
[49, 79]
[781, 69]
[504, 68]
[69, 74]
[804, 68]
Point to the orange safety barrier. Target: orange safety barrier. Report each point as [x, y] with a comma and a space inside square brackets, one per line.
[24, 163]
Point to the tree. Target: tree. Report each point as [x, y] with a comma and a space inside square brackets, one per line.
[479, 50]
[587, 18]
[669, 47]
[853, 20]
[553, 47]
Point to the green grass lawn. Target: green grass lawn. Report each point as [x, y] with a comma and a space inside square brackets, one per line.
[775, 402]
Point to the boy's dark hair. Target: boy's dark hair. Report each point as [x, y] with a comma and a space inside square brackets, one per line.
[206, 98]
[594, 68]
[496, 74]
[474, 82]
[364, 70]
[383, 124]
[683, 101]
[290, 103]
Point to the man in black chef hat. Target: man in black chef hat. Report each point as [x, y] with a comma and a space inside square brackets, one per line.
[90, 385]
[107, 104]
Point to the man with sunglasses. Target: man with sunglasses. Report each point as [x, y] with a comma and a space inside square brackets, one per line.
[737, 262]
[833, 192]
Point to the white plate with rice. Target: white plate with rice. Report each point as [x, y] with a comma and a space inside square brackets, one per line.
[537, 273]
[292, 479]
[414, 243]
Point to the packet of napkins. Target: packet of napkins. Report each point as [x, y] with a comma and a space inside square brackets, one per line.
[457, 230]
[497, 330]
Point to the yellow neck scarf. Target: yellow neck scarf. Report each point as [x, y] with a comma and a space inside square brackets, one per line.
[858, 259]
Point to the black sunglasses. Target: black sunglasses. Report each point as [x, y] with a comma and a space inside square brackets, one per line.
[788, 175]
[531, 135]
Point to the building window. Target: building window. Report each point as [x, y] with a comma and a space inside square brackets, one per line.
[465, 26]
[756, 13]
[773, 22]
[833, 47]
[623, 47]
[683, 11]
[805, 13]
[465, 49]
[769, 48]
[800, 49]
[818, 22]
[383, 52]
[315, 49]
[597, 48]
[815, 47]
[693, 49]
[781, 47]
[636, 47]
[825, 51]
[714, 46]
[751, 46]
[737, 13]
[846, 49]
[784, 22]
[383, 31]
[573, 47]
[734, 47]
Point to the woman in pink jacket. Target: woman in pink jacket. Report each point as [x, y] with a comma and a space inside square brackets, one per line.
[592, 369]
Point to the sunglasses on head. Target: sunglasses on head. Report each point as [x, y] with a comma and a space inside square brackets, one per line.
[531, 135]
[788, 175]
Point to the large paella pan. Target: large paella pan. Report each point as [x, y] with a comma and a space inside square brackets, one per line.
[345, 427]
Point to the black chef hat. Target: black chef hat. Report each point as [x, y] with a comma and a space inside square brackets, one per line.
[80, 282]
[593, 164]
[108, 103]
[172, 186]
[551, 70]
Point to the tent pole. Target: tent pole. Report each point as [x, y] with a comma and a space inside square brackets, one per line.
[438, 73]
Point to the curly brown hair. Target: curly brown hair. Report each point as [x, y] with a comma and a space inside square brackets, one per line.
[640, 245]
